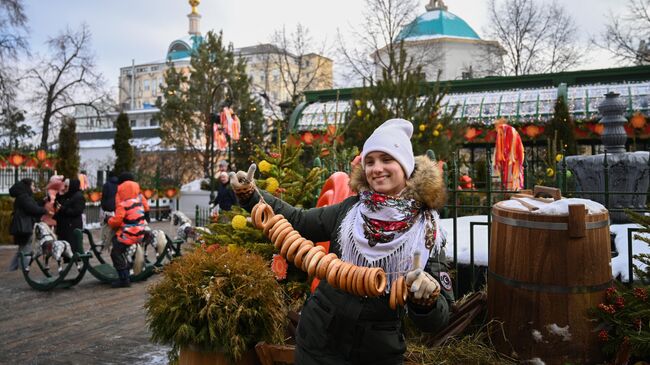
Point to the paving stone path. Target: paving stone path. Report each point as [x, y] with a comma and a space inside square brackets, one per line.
[90, 323]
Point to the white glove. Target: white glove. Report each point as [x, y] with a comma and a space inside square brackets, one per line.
[422, 286]
[243, 184]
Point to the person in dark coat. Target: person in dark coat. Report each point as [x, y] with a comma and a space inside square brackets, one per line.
[26, 213]
[109, 189]
[392, 224]
[71, 206]
[225, 195]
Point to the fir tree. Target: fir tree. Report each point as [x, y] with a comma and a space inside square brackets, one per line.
[68, 164]
[562, 123]
[644, 236]
[405, 95]
[624, 315]
[190, 102]
[125, 157]
[284, 175]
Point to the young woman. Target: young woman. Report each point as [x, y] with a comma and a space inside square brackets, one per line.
[392, 217]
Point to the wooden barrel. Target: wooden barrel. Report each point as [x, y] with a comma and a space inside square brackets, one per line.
[544, 273]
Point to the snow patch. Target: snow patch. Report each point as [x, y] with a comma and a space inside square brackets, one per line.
[535, 361]
[558, 207]
[537, 336]
[194, 185]
[559, 331]
[432, 15]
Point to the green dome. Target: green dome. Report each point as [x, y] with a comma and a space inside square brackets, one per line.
[436, 23]
[183, 47]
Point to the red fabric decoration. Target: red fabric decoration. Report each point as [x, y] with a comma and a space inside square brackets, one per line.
[509, 157]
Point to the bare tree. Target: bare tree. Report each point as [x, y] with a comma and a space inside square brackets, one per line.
[12, 42]
[301, 64]
[66, 79]
[383, 22]
[627, 35]
[537, 37]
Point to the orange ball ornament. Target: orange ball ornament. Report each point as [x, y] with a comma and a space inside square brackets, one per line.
[638, 120]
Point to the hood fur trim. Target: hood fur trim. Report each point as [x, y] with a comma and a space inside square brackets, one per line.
[426, 184]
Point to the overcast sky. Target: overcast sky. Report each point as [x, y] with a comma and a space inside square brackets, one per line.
[142, 29]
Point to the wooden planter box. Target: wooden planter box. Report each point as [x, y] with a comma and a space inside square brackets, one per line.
[191, 356]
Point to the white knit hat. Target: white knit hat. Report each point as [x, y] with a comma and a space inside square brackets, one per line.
[394, 138]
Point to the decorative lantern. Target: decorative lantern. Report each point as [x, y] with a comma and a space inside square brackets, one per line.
[324, 152]
[638, 120]
[292, 140]
[599, 128]
[41, 155]
[471, 133]
[48, 164]
[171, 192]
[16, 159]
[148, 193]
[31, 162]
[95, 196]
[308, 138]
[532, 131]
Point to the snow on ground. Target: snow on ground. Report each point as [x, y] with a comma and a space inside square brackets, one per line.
[619, 263]
[194, 185]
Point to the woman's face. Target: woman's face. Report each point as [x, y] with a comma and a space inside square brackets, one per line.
[384, 174]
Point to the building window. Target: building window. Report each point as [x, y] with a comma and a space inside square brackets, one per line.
[146, 85]
[133, 123]
[153, 122]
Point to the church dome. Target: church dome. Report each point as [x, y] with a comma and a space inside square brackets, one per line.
[437, 23]
[183, 47]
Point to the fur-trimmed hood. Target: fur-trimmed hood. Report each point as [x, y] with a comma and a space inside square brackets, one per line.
[426, 184]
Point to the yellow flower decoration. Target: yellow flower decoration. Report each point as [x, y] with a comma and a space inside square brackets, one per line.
[436, 133]
[559, 157]
[272, 185]
[264, 166]
[357, 103]
[359, 113]
[238, 222]
[550, 172]
[439, 126]
[422, 127]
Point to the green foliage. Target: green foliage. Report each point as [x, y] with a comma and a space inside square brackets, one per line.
[224, 301]
[6, 208]
[644, 236]
[190, 101]
[560, 129]
[624, 316]
[13, 129]
[125, 158]
[405, 95]
[68, 164]
[297, 184]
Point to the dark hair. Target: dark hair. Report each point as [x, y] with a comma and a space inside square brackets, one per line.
[27, 181]
[125, 176]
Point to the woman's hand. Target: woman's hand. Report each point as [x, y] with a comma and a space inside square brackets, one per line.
[422, 285]
[424, 289]
[243, 184]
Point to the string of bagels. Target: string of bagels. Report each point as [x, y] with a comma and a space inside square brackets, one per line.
[315, 261]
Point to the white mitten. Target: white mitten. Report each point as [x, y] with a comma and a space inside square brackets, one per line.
[243, 184]
[424, 289]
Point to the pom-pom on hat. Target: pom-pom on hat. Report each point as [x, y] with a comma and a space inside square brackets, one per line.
[394, 138]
